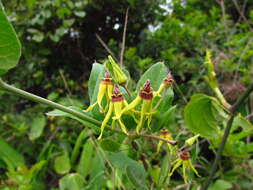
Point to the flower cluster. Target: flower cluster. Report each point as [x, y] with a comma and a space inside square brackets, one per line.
[141, 108]
[182, 158]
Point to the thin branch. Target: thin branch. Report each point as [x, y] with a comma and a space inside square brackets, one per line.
[233, 112]
[106, 47]
[69, 95]
[159, 138]
[27, 95]
[123, 40]
[242, 14]
[11, 89]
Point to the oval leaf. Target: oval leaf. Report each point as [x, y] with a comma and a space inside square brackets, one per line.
[10, 48]
[109, 145]
[72, 182]
[62, 164]
[201, 115]
[155, 74]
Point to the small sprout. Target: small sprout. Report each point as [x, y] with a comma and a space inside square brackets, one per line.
[118, 75]
[167, 82]
[105, 89]
[115, 107]
[166, 135]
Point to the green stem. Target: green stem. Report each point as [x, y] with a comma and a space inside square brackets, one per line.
[221, 97]
[11, 89]
[233, 111]
[27, 95]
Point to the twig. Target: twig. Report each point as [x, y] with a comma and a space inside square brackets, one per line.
[123, 40]
[27, 95]
[106, 47]
[159, 138]
[233, 112]
[69, 95]
[242, 14]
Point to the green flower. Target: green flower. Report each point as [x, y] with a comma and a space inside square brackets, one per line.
[166, 135]
[116, 105]
[118, 75]
[144, 98]
[105, 89]
[184, 160]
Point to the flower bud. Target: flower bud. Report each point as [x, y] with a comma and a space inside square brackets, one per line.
[191, 141]
[118, 75]
[116, 104]
[167, 82]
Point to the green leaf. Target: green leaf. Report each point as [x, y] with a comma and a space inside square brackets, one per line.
[10, 48]
[94, 81]
[109, 145]
[166, 101]
[220, 185]
[78, 145]
[165, 118]
[80, 13]
[97, 172]
[62, 164]
[85, 163]
[37, 127]
[72, 181]
[241, 121]
[137, 178]
[164, 170]
[155, 74]
[130, 166]
[2, 71]
[10, 154]
[200, 115]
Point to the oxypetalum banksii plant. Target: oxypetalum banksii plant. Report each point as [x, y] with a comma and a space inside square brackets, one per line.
[141, 108]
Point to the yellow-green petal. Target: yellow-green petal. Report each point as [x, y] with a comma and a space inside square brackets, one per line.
[177, 163]
[106, 119]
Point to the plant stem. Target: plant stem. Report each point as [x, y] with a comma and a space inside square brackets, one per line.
[27, 95]
[159, 138]
[233, 111]
[11, 89]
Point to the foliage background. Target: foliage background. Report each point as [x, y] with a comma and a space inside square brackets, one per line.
[59, 47]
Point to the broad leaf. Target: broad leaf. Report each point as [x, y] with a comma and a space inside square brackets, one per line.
[155, 74]
[79, 143]
[201, 115]
[9, 154]
[109, 145]
[164, 170]
[137, 178]
[10, 48]
[131, 167]
[85, 163]
[94, 80]
[97, 173]
[72, 181]
[62, 164]
[165, 118]
[37, 127]
[220, 185]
